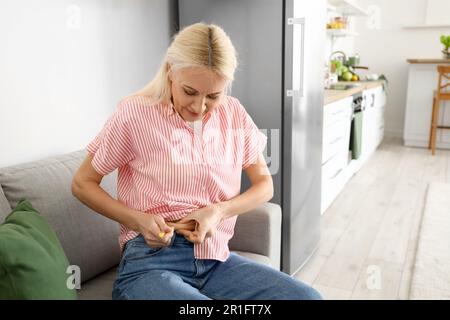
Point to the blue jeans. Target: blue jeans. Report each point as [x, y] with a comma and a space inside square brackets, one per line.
[172, 273]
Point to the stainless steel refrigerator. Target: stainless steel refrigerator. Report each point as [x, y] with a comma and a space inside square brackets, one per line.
[279, 81]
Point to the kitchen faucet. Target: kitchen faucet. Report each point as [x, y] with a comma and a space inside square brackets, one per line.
[342, 53]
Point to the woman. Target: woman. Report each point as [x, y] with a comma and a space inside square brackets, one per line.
[180, 145]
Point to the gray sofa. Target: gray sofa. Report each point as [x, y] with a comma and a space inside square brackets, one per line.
[90, 240]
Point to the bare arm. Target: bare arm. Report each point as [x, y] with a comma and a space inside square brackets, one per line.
[86, 187]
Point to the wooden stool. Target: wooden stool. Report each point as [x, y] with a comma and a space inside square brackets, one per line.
[441, 94]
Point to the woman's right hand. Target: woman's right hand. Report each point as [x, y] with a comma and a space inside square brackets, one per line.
[151, 227]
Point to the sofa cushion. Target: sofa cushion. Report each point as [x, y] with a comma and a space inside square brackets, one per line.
[259, 231]
[255, 257]
[32, 262]
[5, 209]
[99, 288]
[89, 239]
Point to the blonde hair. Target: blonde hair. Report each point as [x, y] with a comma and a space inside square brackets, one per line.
[197, 45]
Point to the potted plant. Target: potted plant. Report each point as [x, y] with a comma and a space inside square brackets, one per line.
[445, 40]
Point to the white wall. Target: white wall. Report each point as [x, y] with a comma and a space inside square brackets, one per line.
[65, 64]
[386, 49]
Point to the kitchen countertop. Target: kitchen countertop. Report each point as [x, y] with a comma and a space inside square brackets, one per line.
[335, 95]
[428, 61]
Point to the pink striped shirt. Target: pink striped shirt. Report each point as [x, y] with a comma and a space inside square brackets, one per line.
[167, 168]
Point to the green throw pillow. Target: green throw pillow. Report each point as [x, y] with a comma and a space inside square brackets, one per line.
[32, 261]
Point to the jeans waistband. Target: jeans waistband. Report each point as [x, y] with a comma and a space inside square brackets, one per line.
[179, 239]
[176, 239]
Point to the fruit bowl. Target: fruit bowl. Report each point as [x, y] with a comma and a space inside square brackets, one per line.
[349, 76]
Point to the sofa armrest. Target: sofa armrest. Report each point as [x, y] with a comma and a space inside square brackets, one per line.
[259, 231]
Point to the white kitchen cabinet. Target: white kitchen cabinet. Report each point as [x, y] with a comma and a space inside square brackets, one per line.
[380, 106]
[333, 178]
[380, 100]
[368, 122]
[373, 120]
[336, 138]
[336, 128]
[379, 128]
[337, 165]
[335, 148]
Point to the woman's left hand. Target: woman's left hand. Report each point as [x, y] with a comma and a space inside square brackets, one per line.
[206, 221]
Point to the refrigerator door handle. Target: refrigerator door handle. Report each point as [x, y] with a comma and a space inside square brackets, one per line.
[302, 23]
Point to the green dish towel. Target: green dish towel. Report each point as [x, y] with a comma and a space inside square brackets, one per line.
[356, 135]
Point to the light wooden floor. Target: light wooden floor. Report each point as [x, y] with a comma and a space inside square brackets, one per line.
[371, 228]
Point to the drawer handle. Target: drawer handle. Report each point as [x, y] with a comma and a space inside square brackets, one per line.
[336, 174]
[337, 112]
[335, 140]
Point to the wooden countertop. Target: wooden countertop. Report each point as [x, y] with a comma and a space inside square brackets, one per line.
[428, 61]
[335, 95]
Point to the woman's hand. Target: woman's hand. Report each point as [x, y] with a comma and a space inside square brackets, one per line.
[189, 226]
[154, 230]
[205, 222]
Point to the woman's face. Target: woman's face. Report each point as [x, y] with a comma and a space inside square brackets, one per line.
[196, 91]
